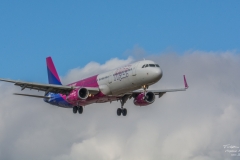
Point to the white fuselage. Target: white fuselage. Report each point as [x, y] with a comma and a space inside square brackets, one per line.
[129, 78]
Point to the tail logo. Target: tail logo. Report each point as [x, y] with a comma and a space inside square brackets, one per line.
[53, 77]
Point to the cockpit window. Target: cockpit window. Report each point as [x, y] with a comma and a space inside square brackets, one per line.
[152, 65]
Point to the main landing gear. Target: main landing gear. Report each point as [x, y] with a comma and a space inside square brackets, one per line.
[122, 110]
[78, 109]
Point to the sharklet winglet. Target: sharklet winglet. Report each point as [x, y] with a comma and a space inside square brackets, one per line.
[185, 82]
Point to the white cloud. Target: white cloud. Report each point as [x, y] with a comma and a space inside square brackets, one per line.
[191, 125]
[94, 68]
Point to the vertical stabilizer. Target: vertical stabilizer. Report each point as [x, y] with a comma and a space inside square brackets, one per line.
[53, 77]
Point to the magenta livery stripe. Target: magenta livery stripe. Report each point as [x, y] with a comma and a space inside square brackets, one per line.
[88, 82]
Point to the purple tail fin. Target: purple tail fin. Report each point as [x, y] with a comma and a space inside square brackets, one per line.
[53, 77]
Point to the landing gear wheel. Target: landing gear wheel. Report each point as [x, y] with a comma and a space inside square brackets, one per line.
[75, 109]
[124, 112]
[119, 111]
[80, 109]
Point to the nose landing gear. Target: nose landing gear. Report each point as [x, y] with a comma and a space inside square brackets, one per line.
[122, 110]
[145, 87]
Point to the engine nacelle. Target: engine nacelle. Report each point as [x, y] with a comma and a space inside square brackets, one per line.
[142, 100]
[78, 94]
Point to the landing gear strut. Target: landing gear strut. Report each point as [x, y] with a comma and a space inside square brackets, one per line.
[122, 110]
[145, 87]
[78, 109]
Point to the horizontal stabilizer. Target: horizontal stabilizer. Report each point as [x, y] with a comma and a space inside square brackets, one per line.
[30, 95]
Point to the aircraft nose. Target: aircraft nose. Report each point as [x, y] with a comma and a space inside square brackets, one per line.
[157, 74]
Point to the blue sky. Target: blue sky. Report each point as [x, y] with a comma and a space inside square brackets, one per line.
[77, 32]
[184, 125]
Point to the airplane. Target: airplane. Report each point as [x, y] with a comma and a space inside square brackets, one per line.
[121, 84]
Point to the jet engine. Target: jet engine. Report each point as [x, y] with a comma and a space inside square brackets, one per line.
[78, 94]
[144, 99]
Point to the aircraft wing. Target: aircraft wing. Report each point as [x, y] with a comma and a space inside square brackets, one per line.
[160, 93]
[42, 87]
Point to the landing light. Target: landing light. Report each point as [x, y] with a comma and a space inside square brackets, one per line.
[145, 87]
[90, 95]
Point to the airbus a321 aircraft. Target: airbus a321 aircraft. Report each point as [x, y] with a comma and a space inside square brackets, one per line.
[121, 84]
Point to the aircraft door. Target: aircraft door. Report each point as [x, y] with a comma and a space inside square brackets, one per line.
[134, 72]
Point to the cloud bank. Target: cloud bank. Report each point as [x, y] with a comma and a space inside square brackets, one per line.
[94, 68]
[191, 125]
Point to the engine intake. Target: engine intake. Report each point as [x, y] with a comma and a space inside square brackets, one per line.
[83, 93]
[144, 100]
[78, 94]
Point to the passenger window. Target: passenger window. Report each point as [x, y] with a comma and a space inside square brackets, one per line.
[152, 65]
[157, 65]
